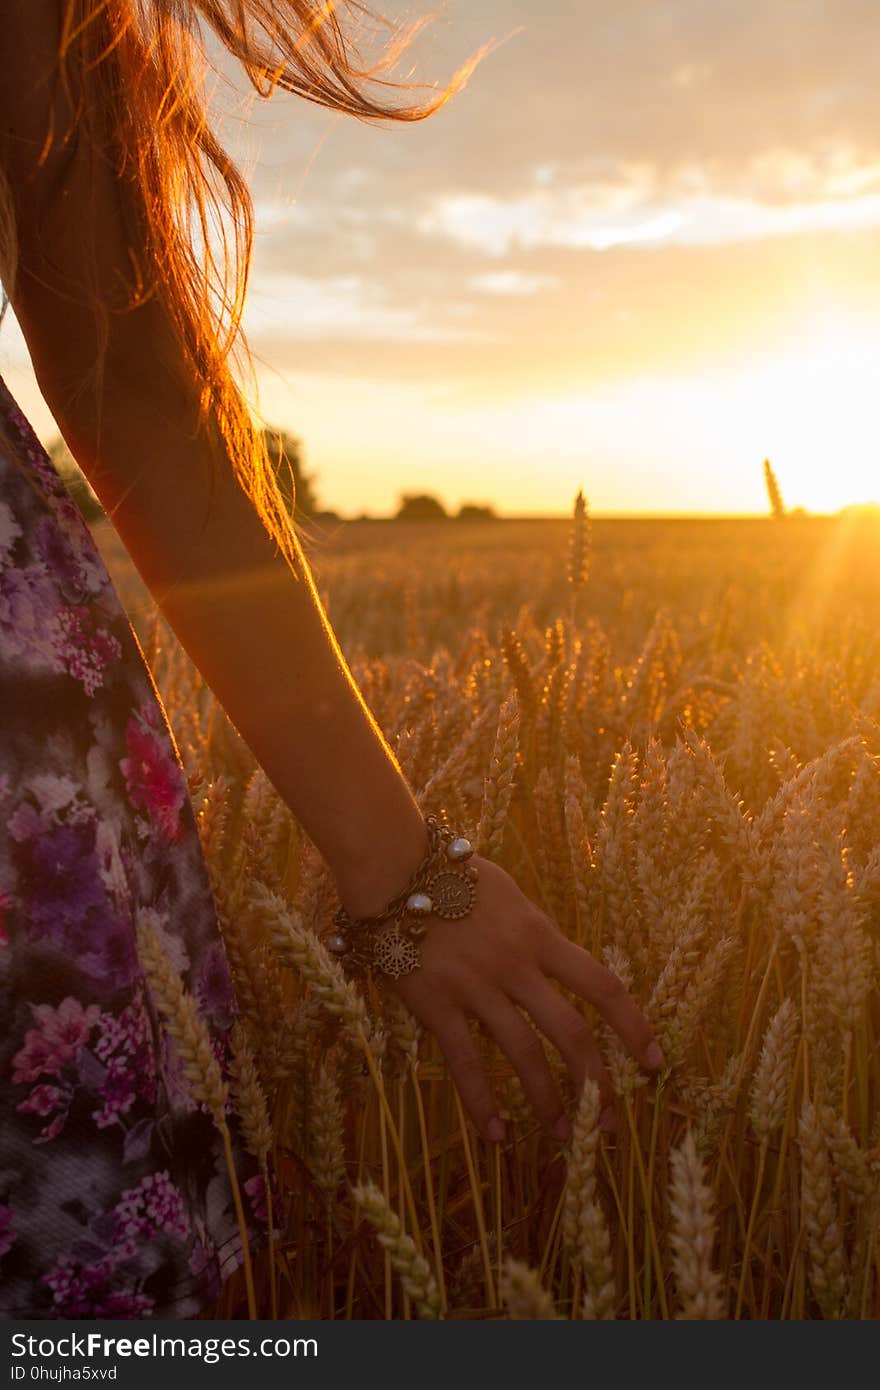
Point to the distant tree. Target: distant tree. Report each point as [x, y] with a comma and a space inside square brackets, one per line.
[420, 506]
[297, 486]
[774, 492]
[476, 511]
[75, 480]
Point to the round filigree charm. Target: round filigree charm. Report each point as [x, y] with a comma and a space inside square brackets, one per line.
[452, 893]
[394, 954]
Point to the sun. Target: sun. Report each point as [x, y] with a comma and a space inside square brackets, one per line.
[814, 401]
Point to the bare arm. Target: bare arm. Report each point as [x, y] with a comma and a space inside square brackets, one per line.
[257, 631]
[259, 636]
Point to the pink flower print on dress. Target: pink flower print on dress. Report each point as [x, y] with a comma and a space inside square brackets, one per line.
[57, 1040]
[45, 1100]
[153, 777]
[68, 1026]
[117, 1094]
[37, 1058]
[84, 648]
[152, 1208]
[124, 1045]
[82, 1290]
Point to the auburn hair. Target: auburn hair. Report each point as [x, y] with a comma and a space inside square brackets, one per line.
[133, 74]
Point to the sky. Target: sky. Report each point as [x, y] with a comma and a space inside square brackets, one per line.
[639, 253]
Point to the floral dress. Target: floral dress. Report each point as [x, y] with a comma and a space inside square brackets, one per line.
[115, 1200]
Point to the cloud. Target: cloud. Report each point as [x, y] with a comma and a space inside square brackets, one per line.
[577, 221]
[630, 310]
[705, 82]
[498, 227]
[511, 282]
[285, 306]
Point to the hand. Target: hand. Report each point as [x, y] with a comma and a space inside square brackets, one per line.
[498, 960]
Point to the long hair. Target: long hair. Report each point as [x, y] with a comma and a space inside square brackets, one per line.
[133, 75]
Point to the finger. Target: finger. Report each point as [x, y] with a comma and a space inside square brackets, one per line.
[578, 971]
[566, 1029]
[523, 1046]
[468, 1073]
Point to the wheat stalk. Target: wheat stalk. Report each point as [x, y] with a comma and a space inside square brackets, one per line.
[499, 782]
[772, 1080]
[326, 1131]
[824, 1238]
[302, 951]
[692, 1236]
[411, 1267]
[200, 1067]
[584, 1228]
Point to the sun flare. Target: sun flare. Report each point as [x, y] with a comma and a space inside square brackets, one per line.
[816, 405]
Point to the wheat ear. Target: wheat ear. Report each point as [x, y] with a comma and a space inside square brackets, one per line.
[185, 1025]
[692, 1238]
[584, 1229]
[824, 1238]
[523, 1294]
[411, 1267]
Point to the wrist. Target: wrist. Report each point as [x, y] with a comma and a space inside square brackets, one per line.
[442, 884]
[375, 873]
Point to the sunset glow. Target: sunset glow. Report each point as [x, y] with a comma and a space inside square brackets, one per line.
[659, 269]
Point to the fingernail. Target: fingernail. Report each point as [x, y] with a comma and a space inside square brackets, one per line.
[562, 1128]
[653, 1056]
[495, 1130]
[608, 1120]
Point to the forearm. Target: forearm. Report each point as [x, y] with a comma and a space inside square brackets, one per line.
[258, 634]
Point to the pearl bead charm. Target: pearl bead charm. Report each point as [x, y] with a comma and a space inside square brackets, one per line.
[459, 848]
[443, 886]
[419, 904]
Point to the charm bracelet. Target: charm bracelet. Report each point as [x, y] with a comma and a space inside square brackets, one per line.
[444, 884]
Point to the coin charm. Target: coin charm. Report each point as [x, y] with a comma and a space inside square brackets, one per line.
[444, 886]
[395, 954]
[452, 893]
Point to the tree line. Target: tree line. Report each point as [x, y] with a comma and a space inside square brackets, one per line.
[298, 487]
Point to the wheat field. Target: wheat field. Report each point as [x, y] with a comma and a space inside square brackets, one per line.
[668, 732]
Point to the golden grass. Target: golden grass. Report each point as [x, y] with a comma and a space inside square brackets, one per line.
[679, 758]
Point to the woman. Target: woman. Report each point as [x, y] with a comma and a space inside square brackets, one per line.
[113, 1196]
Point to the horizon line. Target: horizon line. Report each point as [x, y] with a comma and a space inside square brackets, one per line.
[795, 514]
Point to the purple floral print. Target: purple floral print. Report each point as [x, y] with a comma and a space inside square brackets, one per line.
[114, 1195]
